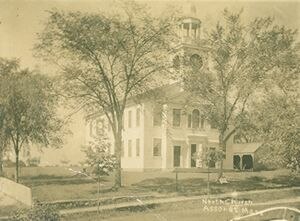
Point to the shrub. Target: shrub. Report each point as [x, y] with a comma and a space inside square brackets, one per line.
[255, 179]
[34, 162]
[99, 158]
[9, 163]
[37, 213]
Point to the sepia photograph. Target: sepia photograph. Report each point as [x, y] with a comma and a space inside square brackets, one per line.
[148, 110]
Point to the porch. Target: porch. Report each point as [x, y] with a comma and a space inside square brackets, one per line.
[190, 153]
[243, 156]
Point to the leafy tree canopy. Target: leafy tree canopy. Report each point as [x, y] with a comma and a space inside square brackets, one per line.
[105, 59]
[27, 108]
[245, 62]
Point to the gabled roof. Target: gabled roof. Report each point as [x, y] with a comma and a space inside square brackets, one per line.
[163, 93]
[245, 147]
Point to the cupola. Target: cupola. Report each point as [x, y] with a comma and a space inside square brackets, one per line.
[189, 26]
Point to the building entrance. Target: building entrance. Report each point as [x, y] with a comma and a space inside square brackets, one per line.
[176, 155]
[193, 151]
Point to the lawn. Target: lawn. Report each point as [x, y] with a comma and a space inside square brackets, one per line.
[238, 181]
[57, 188]
[52, 188]
[187, 210]
[9, 210]
[174, 212]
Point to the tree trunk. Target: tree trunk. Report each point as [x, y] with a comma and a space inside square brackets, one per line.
[98, 194]
[222, 145]
[118, 169]
[221, 170]
[17, 167]
[1, 163]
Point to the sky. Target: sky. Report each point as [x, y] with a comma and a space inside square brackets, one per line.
[21, 20]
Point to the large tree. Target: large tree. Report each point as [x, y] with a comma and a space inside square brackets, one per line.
[274, 119]
[6, 67]
[106, 59]
[28, 109]
[3, 136]
[3, 147]
[241, 59]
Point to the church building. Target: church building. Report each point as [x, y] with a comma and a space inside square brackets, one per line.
[164, 134]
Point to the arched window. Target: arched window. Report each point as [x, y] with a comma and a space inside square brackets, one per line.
[236, 162]
[247, 162]
[196, 61]
[195, 118]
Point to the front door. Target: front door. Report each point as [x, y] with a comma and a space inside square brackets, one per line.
[176, 161]
[193, 151]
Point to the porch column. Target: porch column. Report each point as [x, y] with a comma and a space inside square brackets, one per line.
[164, 141]
[188, 158]
[199, 162]
[241, 161]
[252, 161]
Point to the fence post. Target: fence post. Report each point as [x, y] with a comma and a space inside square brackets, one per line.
[208, 187]
[176, 180]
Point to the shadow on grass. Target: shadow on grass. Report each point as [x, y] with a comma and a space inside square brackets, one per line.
[286, 180]
[199, 186]
[103, 190]
[43, 176]
[155, 182]
[55, 180]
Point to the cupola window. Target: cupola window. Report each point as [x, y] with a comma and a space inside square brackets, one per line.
[196, 61]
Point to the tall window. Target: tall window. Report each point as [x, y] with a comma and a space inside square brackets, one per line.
[195, 118]
[137, 147]
[189, 121]
[129, 118]
[176, 117]
[156, 147]
[129, 148]
[157, 115]
[138, 116]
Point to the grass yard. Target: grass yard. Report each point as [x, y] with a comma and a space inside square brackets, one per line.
[10, 210]
[52, 188]
[56, 188]
[188, 210]
[238, 181]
